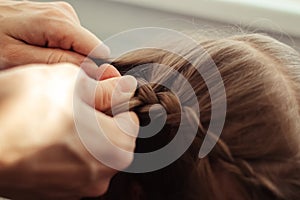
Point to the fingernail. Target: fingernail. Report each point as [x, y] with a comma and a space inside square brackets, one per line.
[127, 84]
[106, 71]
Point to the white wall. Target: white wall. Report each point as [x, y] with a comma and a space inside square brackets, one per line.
[260, 13]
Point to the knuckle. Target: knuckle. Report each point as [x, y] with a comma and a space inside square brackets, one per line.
[120, 139]
[124, 161]
[65, 5]
[61, 33]
[99, 188]
[59, 28]
[78, 60]
[126, 144]
[54, 57]
[53, 17]
[120, 158]
[102, 95]
[53, 12]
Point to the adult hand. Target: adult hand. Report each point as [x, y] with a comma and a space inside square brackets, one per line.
[34, 32]
[41, 154]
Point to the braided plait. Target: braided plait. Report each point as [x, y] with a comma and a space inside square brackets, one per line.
[156, 97]
[151, 96]
[242, 169]
[222, 153]
[257, 155]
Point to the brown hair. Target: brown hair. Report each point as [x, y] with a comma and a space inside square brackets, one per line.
[257, 155]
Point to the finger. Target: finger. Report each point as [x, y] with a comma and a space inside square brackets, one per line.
[66, 7]
[63, 7]
[107, 71]
[128, 123]
[104, 94]
[121, 141]
[114, 91]
[59, 33]
[121, 131]
[86, 43]
[77, 38]
[111, 141]
[90, 68]
[21, 54]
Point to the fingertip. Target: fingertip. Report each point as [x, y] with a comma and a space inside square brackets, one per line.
[127, 84]
[88, 44]
[114, 91]
[104, 92]
[101, 51]
[107, 71]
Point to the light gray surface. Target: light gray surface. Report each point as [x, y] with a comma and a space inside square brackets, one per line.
[286, 13]
[106, 18]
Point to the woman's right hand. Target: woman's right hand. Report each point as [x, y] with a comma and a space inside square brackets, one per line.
[41, 154]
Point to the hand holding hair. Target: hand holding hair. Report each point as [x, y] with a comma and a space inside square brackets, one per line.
[34, 32]
[41, 154]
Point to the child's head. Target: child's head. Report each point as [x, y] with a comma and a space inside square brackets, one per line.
[257, 155]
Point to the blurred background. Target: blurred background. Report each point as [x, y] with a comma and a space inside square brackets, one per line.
[278, 18]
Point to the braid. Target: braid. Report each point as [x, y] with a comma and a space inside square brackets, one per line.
[155, 97]
[239, 167]
[242, 169]
[255, 157]
[151, 96]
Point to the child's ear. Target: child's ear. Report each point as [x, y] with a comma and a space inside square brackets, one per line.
[107, 71]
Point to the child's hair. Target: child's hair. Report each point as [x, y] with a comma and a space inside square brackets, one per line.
[257, 154]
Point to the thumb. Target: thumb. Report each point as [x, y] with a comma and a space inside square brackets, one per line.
[104, 94]
[114, 91]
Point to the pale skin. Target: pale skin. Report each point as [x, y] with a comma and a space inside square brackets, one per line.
[41, 154]
[40, 151]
